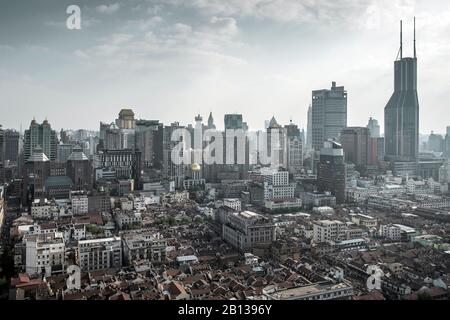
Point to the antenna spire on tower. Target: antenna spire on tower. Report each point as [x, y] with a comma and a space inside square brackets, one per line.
[401, 39]
[415, 52]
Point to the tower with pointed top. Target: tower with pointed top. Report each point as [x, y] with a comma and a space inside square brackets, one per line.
[401, 114]
[211, 124]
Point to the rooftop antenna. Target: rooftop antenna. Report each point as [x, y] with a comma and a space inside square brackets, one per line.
[401, 39]
[415, 52]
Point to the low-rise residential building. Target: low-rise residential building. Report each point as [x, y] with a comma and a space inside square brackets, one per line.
[144, 246]
[246, 229]
[234, 204]
[390, 232]
[364, 221]
[387, 203]
[330, 291]
[43, 209]
[283, 204]
[79, 201]
[103, 253]
[74, 232]
[126, 219]
[329, 230]
[126, 204]
[44, 253]
[311, 200]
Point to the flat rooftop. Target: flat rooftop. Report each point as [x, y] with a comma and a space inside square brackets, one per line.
[306, 291]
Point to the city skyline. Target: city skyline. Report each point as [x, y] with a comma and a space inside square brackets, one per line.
[229, 150]
[161, 57]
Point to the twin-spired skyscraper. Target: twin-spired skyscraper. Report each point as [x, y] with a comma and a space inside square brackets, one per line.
[401, 114]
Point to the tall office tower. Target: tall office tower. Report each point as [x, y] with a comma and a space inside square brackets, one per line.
[211, 124]
[126, 119]
[127, 138]
[380, 149]
[309, 129]
[40, 135]
[172, 171]
[435, 142]
[281, 147]
[197, 144]
[79, 169]
[126, 163]
[146, 139]
[37, 170]
[64, 136]
[374, 128]
[63, 152]
[447, 143]
[12, 141]
[401, 114]
[372, 157]
[103, 128]
[355, 142]
[113, 138]
[2, 155]
[233, 122]
[329, 114]
[331, 170]
[294, 148]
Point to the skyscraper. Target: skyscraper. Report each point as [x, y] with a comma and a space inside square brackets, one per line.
[37, 170]
[146, 141]
[447, 143]
[79, 169]
[329, 114]
[211, 124]
[294, 148]
[173, 171]
[281, 147]
[374, 128]
[2, 155]
[309, 129]
[112, 138]
[126, 119]
[331, 170]
[43, 136]
[401, 114]
[63, 152]
[233, 122]
[435, 142]
[355, 142]
[12, 141]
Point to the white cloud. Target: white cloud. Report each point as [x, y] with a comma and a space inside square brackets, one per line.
[81, 54]
[108, 9]
[227, 26]
[7, 48]
[320, 12]
[142, 24]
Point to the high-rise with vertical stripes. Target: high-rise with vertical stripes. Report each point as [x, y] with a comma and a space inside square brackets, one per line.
[401, 114]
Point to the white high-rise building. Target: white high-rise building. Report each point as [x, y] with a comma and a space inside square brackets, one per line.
[374, 128]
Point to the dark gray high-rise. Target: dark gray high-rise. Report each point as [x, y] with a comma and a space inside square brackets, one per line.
[233, 122]
[401, 114]
[329, 114]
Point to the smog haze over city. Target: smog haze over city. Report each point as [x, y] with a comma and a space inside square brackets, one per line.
[188, 57]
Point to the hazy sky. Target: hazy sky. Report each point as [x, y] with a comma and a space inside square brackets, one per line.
[172, 59]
